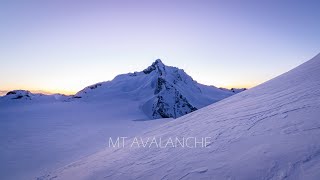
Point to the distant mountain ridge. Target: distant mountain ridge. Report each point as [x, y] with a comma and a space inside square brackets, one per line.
[27, 95]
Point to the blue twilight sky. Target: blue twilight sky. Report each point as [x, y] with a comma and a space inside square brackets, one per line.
[63, 46]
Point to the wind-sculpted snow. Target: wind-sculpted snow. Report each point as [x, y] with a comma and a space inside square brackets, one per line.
[162, 91]
[268, 132]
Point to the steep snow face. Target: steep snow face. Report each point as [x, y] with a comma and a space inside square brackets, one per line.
[162, 91]
[268, 132]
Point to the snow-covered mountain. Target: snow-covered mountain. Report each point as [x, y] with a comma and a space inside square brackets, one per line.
[234, 90]
[268, 132]
[162, 91]
[27, 95]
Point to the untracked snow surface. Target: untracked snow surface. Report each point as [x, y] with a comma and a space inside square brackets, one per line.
[40, 134]
[268, 132]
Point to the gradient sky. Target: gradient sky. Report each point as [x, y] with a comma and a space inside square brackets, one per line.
[63, 46]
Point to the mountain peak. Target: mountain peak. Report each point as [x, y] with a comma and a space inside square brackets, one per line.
[156, 65]
[158, 61]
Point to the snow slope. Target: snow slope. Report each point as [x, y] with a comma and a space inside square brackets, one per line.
[162, 91]
[268, 132]
[41, 134]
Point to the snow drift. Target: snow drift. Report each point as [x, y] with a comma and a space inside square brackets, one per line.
[268, 132]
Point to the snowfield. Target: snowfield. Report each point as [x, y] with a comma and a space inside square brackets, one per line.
[268, 132]
[39, 136]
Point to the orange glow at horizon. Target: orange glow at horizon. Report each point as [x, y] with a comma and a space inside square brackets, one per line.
[42, 91]
[72, 92]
